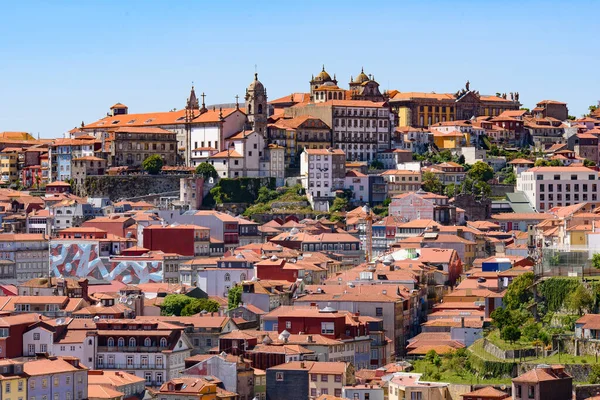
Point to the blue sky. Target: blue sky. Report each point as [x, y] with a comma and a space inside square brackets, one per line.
[63, 62]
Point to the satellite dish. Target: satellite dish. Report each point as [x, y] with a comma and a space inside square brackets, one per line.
[123, 299]
[129, 302]
[60, 321]
[96, 318]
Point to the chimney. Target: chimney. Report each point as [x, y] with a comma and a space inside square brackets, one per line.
[302, 365]
[462, 322]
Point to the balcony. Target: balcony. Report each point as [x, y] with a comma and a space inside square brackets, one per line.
[131, 349]
[129, 366]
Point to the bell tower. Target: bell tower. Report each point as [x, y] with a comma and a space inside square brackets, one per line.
[256, 106]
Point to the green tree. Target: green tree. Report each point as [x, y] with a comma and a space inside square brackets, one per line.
[519, 292]
[596, 260]
[234, 297]
[588, 163]
[386, 202]
[501, 317]
[153, 164]
[376, 164]
[444, 156]
[461, 160]
[174, 304]
[198, 305]
[594, 376]
[541, 163]
[206, 171]
[531, 331]
[339, 204]
[592, 108]
[266, 195]
[481, 172]
[580, 300]
[555, 163]
[544, 338]
[430, 356]
[431, 183]
[510, 334]
[451, 189]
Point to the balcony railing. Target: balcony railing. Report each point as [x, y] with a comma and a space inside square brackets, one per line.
[128, 366]
[131, 349]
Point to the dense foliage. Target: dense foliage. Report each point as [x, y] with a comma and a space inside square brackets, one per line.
[206, 171]
[240, 190]
[182, 305]
[234, 297]
[153, 164]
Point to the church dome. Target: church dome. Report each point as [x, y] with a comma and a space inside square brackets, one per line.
[362, 77]
[323, 76]
[256, 85]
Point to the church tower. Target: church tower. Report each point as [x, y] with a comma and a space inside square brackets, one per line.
[256, 106]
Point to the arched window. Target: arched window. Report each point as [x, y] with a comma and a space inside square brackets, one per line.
[249, 108]
[131, 342]
[260, 108]
[110, 342]
[242, 277]
[121, 342]
[227, 277]
[163, 342]
[147, 342]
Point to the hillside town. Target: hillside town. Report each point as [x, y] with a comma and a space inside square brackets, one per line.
[340, 242]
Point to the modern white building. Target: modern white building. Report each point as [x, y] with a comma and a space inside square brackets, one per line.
[547, 187]
[153, 350]
[323, 171]
[55, 338]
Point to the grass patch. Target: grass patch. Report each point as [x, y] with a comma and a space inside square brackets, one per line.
[567, 359]
[452, 376]
[494, 338]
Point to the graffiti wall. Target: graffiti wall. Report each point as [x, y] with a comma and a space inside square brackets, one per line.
[83, 260]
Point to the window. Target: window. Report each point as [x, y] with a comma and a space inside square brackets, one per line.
[227, 277]
[129, 361]
[20, 386]
[131, 342]
[313, 377]
[324, 378]
[531, 392]
[324, 391]
[31, 349]
[313, 392]
[279, 376]
[159, 362]
[148, 377]
[288, 324]
[379, 311]
[31, 384]
[518, 388]
[163, 342]
[43, 348]
[56, 381]
[68, 380]
[44, 383]
[36, 336]
[416, 396]
[159, 378]
[110, 342]
[147, 342]
[7, 387]
[327, 328]
[338, 392]
[121, 342]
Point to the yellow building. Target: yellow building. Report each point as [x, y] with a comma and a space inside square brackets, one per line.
[449, 140]
[409, 386]
[401, 181]
[421, 109]
[9, 159]
[13, 384]
[578, 234]
[296, 134]
[16, 136]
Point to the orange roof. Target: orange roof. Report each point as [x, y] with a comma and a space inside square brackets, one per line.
[522, 216]
[487, 392]
[324, 151]
[423, 95]
[227, 154]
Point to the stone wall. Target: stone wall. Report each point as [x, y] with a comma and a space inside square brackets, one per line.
[579, 372]
[507, 354]
[475, 209]
[123, 187]
[277, 205]
[577, 347]
[583, 392]
[501, 190]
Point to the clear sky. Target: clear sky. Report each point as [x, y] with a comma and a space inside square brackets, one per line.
[64, 62]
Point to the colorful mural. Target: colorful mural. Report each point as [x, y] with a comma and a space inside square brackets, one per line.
[83, 260]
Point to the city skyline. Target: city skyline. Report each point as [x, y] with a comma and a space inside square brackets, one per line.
[72, 61]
